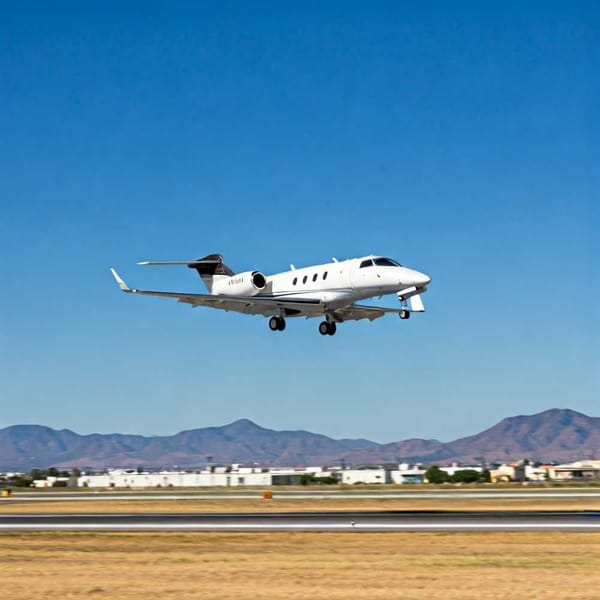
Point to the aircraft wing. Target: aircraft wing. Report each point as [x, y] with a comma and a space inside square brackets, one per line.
[356, 312]
[250, 305]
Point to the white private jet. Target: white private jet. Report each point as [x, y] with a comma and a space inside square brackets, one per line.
[329, 290]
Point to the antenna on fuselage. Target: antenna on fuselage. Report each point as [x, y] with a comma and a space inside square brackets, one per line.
[292, 268]
[334, 259]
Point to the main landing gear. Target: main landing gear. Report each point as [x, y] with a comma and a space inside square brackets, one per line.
[327, 328]
[404, 314]
[276, 323]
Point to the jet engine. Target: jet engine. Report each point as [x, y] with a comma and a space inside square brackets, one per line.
[249, 283]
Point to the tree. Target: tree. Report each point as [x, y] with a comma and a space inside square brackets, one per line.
[20, 480]
[466, 476]
[327, 480]
[435, 475]
[307, 478]
[38, 474]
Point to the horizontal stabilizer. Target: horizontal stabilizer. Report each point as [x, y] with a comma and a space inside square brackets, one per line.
[170, 263]
[207, 267]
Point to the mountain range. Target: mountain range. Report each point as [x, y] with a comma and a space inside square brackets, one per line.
[552, 435]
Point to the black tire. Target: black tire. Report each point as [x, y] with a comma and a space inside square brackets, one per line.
[332, 328]
[281, 325]
[274, 323]
[324, 328]
[404, 314]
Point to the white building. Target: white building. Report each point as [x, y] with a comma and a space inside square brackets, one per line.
[502, 474]
[366, 475]
[233, 476]
[581, 470]
[454, 467]
[51, 481]
[539, 473]
[216, 478]
[407, 474]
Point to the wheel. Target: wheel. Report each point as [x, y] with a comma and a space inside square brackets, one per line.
[281, 325]
[274, 323]
[324, 328]
[332, 328]
[404, 314]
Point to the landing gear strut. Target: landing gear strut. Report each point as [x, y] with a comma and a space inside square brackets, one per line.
[276, 323]
[327, 328]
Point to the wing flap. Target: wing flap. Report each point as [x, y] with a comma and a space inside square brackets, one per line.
[356, 312]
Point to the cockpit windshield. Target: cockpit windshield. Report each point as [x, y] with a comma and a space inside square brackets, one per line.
[366, 263]
[386, 262]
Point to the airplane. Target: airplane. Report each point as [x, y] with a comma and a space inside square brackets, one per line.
[330, 290]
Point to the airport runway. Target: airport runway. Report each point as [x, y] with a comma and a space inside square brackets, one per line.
[365, 521]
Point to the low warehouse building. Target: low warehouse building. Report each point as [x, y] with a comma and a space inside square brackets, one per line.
[366, 475]
[576, 471]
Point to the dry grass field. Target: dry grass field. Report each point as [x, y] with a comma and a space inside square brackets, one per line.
[281, 504]
[277, 566]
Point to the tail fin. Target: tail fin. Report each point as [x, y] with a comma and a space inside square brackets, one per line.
[210, 268]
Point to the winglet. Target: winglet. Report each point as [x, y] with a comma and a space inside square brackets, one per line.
[120, 282]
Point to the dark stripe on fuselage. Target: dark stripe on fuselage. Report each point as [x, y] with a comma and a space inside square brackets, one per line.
[292, 300]
[304, 292]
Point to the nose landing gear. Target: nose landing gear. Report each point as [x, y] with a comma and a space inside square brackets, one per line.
[276, 323]
[404, 314]
[327, 328]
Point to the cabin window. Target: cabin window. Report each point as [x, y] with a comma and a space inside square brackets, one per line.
[304, 279]
[325, 276]
[315, 277]
[366, 263]
[295, 281]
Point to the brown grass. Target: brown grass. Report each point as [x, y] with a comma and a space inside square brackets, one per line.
[277, 566]
[287, 504]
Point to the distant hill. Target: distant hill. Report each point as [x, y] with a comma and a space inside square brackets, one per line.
[552, 435]
[28, 446]
[556, 434]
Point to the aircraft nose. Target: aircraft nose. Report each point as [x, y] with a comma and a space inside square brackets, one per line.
[422, 279]
[410, 277]
[416, 278]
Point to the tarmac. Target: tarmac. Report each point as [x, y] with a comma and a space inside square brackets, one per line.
[357, 521]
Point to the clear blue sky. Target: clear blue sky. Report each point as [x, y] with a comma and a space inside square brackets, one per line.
[459, 140]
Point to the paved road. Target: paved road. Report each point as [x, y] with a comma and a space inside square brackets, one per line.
[312, 521]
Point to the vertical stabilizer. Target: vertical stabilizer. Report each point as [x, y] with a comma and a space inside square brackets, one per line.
[211, 268]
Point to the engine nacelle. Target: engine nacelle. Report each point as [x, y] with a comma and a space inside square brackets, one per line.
[248, 283]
